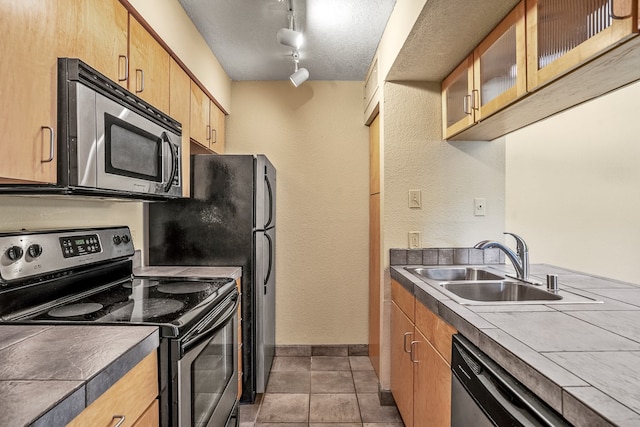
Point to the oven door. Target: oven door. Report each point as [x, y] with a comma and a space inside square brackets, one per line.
[208, 368]
[120, 150]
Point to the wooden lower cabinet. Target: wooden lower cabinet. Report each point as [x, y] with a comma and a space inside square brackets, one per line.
[402, 333]
[420, 362]
[134, 397]
[151, 417]
[431, 385]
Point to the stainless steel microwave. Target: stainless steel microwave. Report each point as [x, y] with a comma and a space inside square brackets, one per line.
[110, 142]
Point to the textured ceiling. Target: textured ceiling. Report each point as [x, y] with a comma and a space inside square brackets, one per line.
[444, 34]
[340, 36]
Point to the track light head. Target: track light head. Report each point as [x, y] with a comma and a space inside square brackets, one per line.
[300, 75]
[289, 37]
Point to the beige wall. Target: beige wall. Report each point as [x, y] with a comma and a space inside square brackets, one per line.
[314, 136]
[573, 186]
[171, 22]
[450, 176]
[34, 213]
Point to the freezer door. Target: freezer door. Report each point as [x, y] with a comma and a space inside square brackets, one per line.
[265, 293]
[265, 186]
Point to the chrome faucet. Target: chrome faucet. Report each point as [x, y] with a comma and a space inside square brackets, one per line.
[520, 260]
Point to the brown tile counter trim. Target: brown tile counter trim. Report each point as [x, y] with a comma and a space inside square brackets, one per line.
[549, 371]
[446, 256]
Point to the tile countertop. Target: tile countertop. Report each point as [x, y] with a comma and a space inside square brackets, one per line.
[49, 374]
[182, 271]
[582, 359]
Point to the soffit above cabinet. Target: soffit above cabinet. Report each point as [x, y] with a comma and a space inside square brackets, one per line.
[444, 34]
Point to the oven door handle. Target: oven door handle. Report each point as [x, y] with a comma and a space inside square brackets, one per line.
[219, 319]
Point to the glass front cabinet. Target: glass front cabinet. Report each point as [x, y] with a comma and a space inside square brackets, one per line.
[489, 79]
[563, 34]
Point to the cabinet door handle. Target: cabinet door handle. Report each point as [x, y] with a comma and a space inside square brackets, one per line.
[465, 104]
[616, 14]
[208, 133]
[404, 344]
[214, 135]
[126, 67]
[138, 70]
[475, 99]
[51, 143]
[412, 359]
[121, 420]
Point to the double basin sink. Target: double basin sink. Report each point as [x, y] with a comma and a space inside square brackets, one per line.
[476, 285]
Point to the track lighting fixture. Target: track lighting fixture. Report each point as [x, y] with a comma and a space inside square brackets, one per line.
[300, 75]
[293, 38]
[289, 37]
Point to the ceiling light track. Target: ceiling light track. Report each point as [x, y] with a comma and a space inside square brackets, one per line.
[292, 38]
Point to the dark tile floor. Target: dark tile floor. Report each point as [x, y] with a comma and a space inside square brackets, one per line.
[320, 391]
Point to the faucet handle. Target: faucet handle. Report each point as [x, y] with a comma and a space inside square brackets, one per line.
[521, 244]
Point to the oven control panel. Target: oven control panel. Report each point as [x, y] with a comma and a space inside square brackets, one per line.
[80, 245]
[24, 255]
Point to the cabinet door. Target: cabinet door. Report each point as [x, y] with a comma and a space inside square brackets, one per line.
[179, 103]
[500, 65]
[95, 31]
[29, 91]
[148, 67]
[458, 99]
[562, 35]
[431, 386]
[199, 125]
[216, 123]
[151, 417]
[129, 397]
[402, 333]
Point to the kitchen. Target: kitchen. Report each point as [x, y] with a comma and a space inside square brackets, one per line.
[518, 175]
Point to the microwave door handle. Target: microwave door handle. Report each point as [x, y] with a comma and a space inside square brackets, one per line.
[165, 138]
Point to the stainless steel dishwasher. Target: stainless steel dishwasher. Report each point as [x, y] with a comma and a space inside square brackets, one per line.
[484, 394]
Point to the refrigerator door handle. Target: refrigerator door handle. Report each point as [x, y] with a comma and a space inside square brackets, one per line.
[270, 191]
[268, 275]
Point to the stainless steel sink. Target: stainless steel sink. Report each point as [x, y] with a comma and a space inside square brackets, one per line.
[494, 291]
[476, 285]
[449, 274]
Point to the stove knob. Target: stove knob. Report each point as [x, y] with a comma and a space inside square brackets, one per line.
[125, 239]
[34, 250]
[117, 240]
[14, 253]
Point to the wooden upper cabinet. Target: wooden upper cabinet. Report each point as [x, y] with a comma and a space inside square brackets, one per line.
[95, 31]
[562, 35]
[199, 125]
[499, 66]
[28, 108]
[457, 100]
[217, 124]
[207, 121]
[179, 109]
[148, 67]
[490, 78]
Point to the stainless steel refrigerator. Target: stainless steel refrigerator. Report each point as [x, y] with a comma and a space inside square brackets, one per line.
[229, 220]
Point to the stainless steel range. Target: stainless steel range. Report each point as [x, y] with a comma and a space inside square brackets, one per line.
[71, 276]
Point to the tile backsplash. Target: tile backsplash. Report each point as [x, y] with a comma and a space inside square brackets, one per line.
[446, 256]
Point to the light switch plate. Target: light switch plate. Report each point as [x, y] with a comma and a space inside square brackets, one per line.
[414, 240]
[415, 199]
